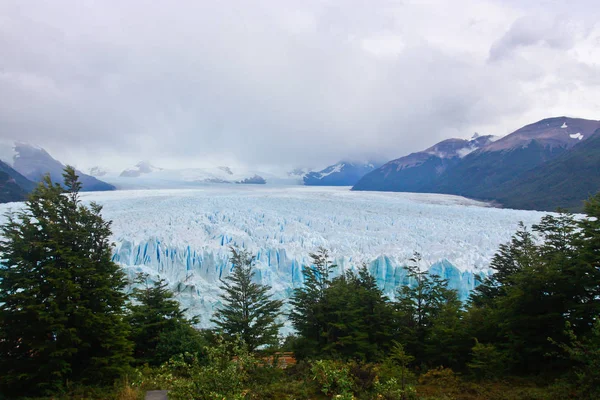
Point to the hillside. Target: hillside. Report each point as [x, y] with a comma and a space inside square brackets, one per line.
[419, 171]
[33, 163]
[535, 167]
[344, 173]
[481, 173]
[13, 186]
[564, 181]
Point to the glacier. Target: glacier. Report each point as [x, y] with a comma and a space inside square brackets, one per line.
[184, 235]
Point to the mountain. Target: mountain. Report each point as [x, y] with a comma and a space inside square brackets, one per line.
[253, 180]
[343, 173]
[19, 179]
[419, 171]
[537, 157]
[563, 181]
[481, 173]
[34, 162]
[141, 168]
[13, 186]
[144, 175]
[97, 172]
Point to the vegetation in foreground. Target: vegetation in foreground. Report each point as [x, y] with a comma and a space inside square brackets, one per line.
[69, 330]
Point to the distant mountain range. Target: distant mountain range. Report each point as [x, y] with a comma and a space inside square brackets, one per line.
[22, 165]
[344, 173]
[418, 172]
[551, 163]
[145, 175]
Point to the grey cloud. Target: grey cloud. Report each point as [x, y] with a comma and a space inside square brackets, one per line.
[261, 83]
[557, 33]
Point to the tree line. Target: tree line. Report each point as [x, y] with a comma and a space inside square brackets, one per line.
[66, 317]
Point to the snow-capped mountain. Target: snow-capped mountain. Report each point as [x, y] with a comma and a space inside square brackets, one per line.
[485, 173]
[145, 175]
[141, 168]
[34, 162]
[491, 171]
[344, 173]
[417, 172]
[562, 181]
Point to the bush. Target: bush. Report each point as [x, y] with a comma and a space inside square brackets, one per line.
[334, 378]
[222, 375]
[392, 390]
[487, 362]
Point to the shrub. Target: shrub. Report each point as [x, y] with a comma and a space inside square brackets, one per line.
[334, 378]
[392, 390]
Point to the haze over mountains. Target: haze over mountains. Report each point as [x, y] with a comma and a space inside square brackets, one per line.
[548, 164]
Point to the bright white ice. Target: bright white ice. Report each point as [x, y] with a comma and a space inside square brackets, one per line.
[184, 235]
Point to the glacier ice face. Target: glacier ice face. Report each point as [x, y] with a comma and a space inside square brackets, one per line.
[184, 236]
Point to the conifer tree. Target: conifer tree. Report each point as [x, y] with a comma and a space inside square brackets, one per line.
[248, 310]
[61, 296]
[155, 317]
[419, 304]
[358, 318]
[308, 302]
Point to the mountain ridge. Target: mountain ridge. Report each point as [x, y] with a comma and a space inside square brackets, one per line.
[489, 172]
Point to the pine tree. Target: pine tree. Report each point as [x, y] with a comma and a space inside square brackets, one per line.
[358, 318]
[419, 304]
[154, 315]
[587, 297]
[308, 302]
[61, 296]
[247, 310]
[541, 282]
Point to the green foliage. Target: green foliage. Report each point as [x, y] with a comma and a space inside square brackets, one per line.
[61, 296]
[430, 315]
[182, 338]
[224, 374]
[358, 319]
[487, 362]
[333, 378]
[248, 310]
[308, 314]
[347, 317]
[543, 280]
[392, 389]
[585, 353]
[159, 328]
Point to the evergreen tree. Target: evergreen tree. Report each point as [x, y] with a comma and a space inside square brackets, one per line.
[419, 304]
[308, 301]
[541, 283]
[155, 316]
[359, 319]
[586, 293]
[248, 310]
[61, 296]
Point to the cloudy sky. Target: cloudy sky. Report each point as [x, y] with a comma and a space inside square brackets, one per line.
[284, 82]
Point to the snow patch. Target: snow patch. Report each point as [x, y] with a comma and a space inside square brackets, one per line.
[466, 150]
[336, 168]
[564, 125]
[577, 135]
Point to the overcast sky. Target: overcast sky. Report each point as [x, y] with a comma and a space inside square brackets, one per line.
[286, 82]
